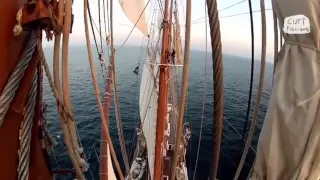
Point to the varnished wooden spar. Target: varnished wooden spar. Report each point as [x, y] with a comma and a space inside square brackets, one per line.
[105, 131]
[11, 48]
[163, 96]
[104, 143]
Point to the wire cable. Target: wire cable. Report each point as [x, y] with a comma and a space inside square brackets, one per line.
[228, 7]
[100, 24]
[204, 92]
[261, 83]
[233, 15]
[94, 36]
[252, 71]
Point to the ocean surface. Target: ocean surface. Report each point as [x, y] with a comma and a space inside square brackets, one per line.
[85, 109]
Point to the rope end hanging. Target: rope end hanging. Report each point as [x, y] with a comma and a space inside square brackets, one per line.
[17, 30]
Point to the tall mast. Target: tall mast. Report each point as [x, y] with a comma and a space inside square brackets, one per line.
[97, 91]
[163, 95]
[104, 144]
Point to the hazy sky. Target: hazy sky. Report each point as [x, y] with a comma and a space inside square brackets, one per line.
[235, 30]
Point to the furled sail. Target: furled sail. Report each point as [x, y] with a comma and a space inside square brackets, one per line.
[177, 37]
[148, 103]
[134, 10]
[111, 174]
[289, 141]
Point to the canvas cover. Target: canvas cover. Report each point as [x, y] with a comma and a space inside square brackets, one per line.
[289, 143]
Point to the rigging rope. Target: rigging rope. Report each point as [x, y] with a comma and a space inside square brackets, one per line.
[116, 98]
[204, 91]
[217, 66]
[252, 71]
[26, 131]
[100, 24]
[99, 52]
[261, 82]
[63, 114]
[108, 18]
[13, 83]
[228, 7]
[233, 15]
[103, 120]
[276, 45]
[232, 5]
[251, 169]
[104, 18]
[233, 128]
[107, 95]
[91, 22]
[137, 113]
[71, 123]
[55, 86]
[142, 119]
[184, 89]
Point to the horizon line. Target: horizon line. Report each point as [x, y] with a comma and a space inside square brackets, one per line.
[192, 49]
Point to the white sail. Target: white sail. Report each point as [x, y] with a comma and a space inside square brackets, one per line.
[148, 102]
[289, 141]
[134, 10]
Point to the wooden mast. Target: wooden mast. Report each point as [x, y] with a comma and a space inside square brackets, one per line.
[97, 91]
[163, 95]
[104, 144]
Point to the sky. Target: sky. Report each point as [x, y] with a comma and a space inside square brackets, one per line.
[235, 30]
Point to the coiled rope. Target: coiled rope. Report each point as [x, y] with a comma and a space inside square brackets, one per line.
[218, 81]
[25, 132]
[15, 78]
[261, 82]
